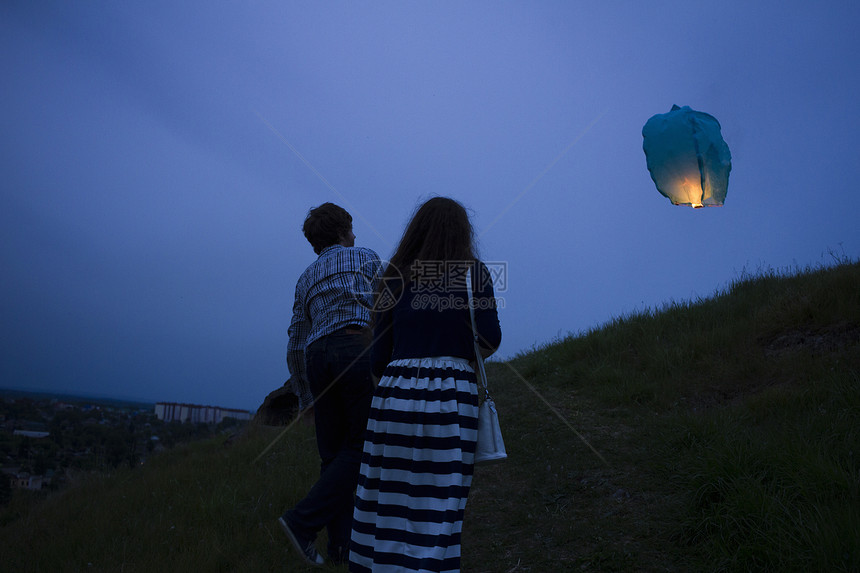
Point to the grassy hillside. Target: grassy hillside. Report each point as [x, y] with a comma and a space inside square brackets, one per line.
[728, 434]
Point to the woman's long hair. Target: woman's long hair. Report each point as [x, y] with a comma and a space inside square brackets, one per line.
[438, 231]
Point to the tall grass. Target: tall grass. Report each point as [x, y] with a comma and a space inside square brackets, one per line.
[773, 482]
[729, 427]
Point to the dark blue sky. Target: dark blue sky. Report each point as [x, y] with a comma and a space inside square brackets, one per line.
[159, 158]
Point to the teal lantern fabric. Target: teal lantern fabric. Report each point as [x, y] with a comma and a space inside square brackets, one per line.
[687, 157]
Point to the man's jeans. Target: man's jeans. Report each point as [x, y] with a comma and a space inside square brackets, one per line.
[338, 369]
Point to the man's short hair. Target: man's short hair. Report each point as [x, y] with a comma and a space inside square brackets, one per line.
[326, 225]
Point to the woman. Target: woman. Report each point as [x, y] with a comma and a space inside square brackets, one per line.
[419, 449]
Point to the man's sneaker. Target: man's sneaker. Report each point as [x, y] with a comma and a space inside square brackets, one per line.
[304, 546]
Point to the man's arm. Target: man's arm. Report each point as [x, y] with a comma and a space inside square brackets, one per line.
[298, 331]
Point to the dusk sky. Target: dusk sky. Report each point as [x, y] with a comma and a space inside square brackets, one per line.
[158, 160]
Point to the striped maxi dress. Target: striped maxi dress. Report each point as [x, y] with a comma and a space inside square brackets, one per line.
[416, 468]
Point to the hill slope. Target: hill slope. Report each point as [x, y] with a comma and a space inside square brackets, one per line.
[720, 435]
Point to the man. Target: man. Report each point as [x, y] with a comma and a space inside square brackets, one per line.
[328, 357]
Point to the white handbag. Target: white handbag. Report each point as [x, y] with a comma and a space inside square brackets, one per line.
[490, 446]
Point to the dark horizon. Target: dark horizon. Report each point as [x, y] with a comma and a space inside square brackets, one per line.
[25, 392]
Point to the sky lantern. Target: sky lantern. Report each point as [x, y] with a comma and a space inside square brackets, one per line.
[687, 157]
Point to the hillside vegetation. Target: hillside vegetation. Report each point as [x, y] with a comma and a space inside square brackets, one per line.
[713, 435]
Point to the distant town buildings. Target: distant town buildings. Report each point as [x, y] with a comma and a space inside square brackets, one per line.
[173, 412]
[31, 433]
[24, 480]
[43, 441]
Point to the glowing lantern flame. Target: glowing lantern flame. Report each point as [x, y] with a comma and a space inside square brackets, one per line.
[687, 157]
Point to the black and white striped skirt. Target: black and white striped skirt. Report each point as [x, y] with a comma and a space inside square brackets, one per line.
[416, 468]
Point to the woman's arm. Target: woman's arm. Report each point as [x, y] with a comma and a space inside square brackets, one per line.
[383, 342]
[486, 315]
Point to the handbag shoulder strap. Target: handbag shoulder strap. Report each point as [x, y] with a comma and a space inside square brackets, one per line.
[479, 360]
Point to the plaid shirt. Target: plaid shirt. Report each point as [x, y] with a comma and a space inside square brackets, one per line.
[335, 291]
